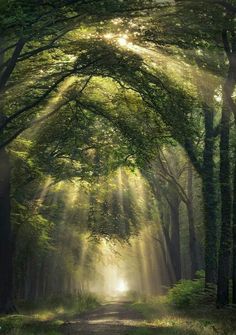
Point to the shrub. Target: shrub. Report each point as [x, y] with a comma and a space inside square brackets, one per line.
[78, 302]
[44, 317]
[187, 293]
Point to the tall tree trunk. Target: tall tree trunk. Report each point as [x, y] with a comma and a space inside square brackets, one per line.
[6, 243]
[225, 187]
[164, 260]
[234, 235]
[192, 233]
[170, 253]
[209, 199]
[6, 267]
[175, 235]
[172, 238]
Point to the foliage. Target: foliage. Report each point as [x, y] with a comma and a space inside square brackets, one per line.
[78, 107]
[47, 316]
[188, 293]
[167, 319]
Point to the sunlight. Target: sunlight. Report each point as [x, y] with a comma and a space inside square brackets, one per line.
[44, 190]
[117, 21]
[178, 69]
[122, 41]
[175, 67]
[122, 286]
[109, 36]
[110, 269]
[218, 94]
[54, 102]
[119, 182]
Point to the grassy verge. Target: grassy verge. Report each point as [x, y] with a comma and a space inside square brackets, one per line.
[46, 318]
[164, 319]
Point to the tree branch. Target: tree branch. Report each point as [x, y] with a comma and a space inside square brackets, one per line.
[11, 64]
[35, 103]
[226, 43]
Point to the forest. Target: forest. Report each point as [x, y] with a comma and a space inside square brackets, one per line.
[117, 167]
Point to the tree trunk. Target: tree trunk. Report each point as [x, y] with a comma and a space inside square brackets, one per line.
[170, 253]
[175, 235]
[192, 232]
[225, 240]
[209, 199]
[167, 279]
[6, 267]
[192, 243]
[173, 241]
[234, 235]
[6, 243]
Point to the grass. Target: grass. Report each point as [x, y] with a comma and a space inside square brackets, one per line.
[46, 318]
[162, 319]
[29, 325]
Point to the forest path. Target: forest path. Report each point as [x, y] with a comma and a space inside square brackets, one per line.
[112, 318]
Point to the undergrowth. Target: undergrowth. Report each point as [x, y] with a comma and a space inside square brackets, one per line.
[188, 309]
[47, 316]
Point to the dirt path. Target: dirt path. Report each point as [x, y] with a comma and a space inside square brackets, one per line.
[110, 319]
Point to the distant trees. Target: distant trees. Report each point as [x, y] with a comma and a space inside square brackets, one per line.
[170, 178]
[226, 34]
[217, 36]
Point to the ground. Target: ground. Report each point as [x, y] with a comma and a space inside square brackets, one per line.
[149, 316]
[124, 318]
[110, 319]
[113, 317]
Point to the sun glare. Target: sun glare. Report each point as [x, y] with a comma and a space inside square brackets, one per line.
[122, 41]
[121, 286]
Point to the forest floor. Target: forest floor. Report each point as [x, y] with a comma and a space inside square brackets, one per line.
[123, 318]
[152, 317]
[112, 318]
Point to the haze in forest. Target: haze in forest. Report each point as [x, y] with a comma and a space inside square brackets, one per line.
[117, 167]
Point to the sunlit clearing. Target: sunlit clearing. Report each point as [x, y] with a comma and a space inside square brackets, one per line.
[122, 286]
[111, 279]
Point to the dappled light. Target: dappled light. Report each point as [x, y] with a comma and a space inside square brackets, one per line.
[123, 41]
